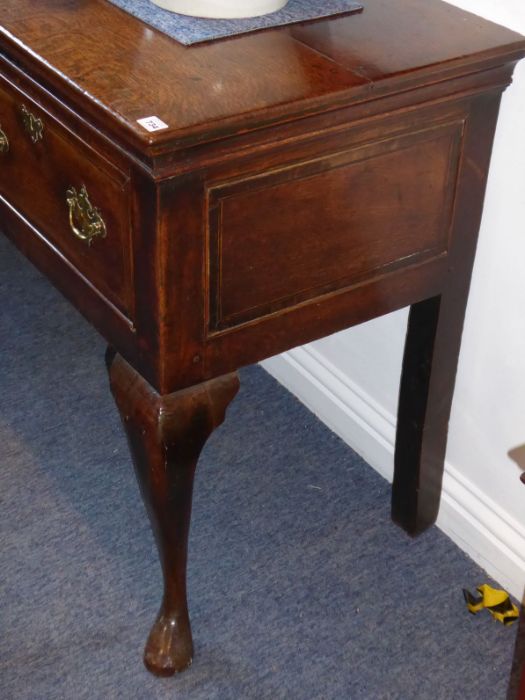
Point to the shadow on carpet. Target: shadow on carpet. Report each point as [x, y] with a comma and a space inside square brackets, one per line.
[300, 586]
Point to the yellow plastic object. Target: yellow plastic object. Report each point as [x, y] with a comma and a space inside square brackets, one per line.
[496, 601]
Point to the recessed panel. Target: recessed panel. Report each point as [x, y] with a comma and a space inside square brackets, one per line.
[312, 228]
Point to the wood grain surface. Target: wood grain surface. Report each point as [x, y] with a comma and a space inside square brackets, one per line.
[112, 65]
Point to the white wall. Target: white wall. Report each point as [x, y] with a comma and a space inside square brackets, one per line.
[351, 379]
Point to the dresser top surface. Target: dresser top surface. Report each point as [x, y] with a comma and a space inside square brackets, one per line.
[102, 58]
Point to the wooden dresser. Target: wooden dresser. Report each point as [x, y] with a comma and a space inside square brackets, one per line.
[303, 180]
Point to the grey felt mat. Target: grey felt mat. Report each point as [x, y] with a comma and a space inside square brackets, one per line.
[192, 30]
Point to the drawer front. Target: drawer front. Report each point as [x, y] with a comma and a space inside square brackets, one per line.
[78, 200]
[298, 232]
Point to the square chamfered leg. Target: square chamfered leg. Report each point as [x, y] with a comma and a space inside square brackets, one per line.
[433, 340]
[425, 399]
[166, 435]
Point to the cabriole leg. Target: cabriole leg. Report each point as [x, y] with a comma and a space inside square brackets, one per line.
[166, 435]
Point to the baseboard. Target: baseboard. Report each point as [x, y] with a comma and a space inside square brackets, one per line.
[468, 516]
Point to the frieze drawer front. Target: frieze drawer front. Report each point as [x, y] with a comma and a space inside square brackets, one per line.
[78, 201]
[301, 231]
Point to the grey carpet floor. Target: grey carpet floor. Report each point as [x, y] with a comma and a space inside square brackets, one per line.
[300, 586]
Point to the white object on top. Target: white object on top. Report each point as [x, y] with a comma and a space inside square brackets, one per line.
[222, 9]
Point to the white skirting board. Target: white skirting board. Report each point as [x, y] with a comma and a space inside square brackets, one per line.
[469, 517]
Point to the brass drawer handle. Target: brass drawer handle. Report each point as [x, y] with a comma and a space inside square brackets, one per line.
[84, 219]
[4, 141]
[33, 126]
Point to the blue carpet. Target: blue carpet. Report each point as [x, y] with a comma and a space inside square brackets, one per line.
[300, 586]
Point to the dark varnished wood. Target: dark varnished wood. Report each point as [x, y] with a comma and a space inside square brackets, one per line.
[62, 160]
[255, 274]
[421, 36]
[166, 435]
[111, 58]
[433, 342]
[312, 177]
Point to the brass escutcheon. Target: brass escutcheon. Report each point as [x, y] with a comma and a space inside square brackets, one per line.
[4, 141]
[84, 219]
[33, 126]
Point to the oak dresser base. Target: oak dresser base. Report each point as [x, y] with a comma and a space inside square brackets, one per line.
[208, 207]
